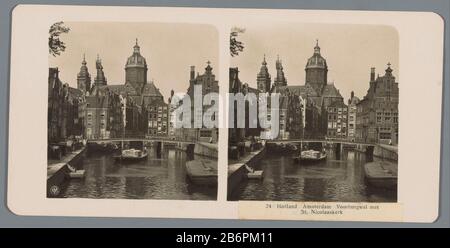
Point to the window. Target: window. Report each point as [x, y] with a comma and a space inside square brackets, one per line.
[205, 133]
[378, 119]
[385, 135]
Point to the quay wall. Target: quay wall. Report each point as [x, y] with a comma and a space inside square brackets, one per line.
[58, 173]
[237, 171]
[235, 178]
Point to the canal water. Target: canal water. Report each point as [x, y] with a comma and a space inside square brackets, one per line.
[339, 178]
[158, 177]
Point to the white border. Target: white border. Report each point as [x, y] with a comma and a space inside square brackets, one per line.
[421, 61]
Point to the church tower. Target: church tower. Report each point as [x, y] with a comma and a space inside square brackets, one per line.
[100, 79]
[136, 69]
[280, 80]
[263, 78]
[316, 70]
[84, 78]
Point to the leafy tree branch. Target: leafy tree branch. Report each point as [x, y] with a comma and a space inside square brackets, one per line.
[55, 44]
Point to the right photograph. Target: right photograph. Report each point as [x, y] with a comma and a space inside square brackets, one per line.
[313, 113]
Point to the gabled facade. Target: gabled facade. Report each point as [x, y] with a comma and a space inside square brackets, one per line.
[377, 112]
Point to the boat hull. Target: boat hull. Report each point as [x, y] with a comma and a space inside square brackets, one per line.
[381, 175]
[77, 174]
[309, 160]
[203, 180]
[202, 172]
[385, 183]
[255, 175]
[121, 158]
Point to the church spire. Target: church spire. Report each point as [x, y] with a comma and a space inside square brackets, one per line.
[208, 68]
[317, 48]
[83, 77]
[263, 78]
[100, 79]
[137, 48]
[389, 70]
[280, 80]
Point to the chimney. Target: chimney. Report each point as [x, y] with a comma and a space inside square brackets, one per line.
[372, 74]
[192, 72]
[352, 94]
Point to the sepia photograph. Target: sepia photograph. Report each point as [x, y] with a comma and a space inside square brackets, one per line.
[225, 113]
[320, 121]
[114, 90]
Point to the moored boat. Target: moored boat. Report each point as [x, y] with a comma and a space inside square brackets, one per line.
[310, 156]
[74, 173]
[77, 174]
[131, 155]
[291, 147]
[381, 174]
[257, 174]
[254, 174]
[202, 171]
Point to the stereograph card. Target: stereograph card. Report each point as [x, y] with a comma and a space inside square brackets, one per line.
[225, 113]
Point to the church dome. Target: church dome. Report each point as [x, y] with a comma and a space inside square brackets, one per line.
[136, 59]
[316, 61]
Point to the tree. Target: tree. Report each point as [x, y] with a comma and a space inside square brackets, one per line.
[55, 45]
[236, 46]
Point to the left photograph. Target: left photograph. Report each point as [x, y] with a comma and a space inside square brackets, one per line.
[132, 111]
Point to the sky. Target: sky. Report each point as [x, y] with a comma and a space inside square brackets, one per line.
[170, 50]
[350, 51]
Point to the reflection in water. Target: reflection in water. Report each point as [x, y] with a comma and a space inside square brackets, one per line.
[161, 176]
[331, 180]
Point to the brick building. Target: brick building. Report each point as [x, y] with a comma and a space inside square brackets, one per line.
[312, 99]
[138, 96]
[377, 112]
[104, 118]
[209, 84]
[352, 109]
[337, 114]
[64, 103]
[158, 119]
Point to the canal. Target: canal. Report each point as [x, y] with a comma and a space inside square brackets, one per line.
[339, 178]
[158, 177]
